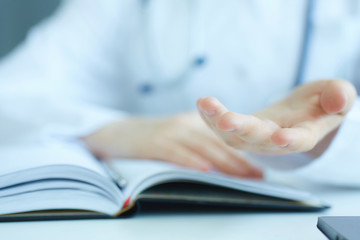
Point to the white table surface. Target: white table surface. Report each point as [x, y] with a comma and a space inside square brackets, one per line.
[290, 226]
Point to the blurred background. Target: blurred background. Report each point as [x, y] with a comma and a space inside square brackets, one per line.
[18, 16]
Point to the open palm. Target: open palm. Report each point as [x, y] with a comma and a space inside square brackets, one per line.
[296, 124]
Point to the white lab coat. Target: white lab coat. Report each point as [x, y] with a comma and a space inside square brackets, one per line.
[96, 61]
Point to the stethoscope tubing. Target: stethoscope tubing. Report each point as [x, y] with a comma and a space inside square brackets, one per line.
[159, 83]
[306, 43]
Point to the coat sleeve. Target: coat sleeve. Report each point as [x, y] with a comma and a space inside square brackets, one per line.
[53, 83]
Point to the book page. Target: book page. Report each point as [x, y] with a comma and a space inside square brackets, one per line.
[23, 157]
[60, 160]
[142, 174]
[43, 177]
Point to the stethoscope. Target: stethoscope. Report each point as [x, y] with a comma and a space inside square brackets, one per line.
[163, 84]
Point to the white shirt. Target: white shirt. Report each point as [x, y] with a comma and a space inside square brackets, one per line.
[96, 61]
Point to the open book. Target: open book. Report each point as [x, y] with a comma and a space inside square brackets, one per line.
[66, 182]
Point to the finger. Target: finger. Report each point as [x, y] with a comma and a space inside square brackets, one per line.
[223, 158]
[251, 170]
[237, 130]
[338, 96]
[177, 154]
[336, 99]
[306, 135]
[297, 139]
[210, 110]
[247, 127]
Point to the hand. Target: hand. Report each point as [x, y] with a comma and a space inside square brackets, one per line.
[296, 124]
[184, 139]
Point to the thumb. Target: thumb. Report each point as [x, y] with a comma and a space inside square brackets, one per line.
[337, 97]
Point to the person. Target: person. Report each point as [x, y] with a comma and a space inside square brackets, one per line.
[125, 77]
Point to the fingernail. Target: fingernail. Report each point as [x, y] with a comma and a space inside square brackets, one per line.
[241, 171]
[230, 130]
[257, 173]
[205, 167]
[284, 146]
[209, 112]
